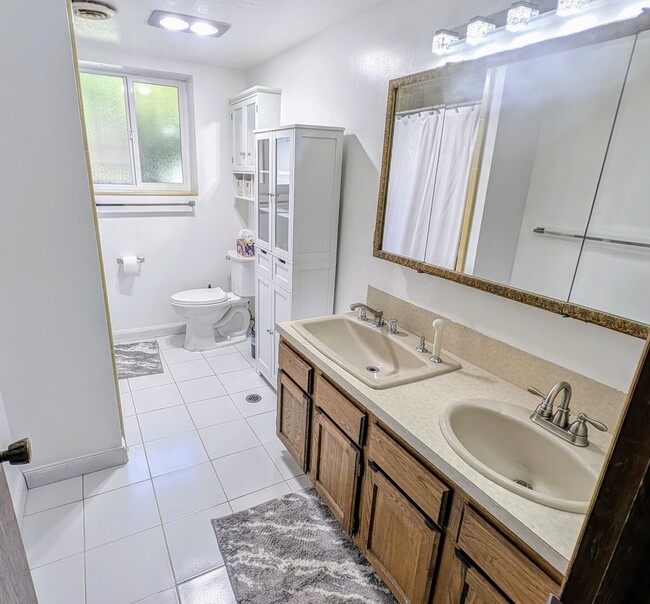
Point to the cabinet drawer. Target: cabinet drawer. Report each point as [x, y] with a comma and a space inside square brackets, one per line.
[282, 273]
[297, 369]
[424, 489]
[344, 413]
[264, 262]
[520, 579]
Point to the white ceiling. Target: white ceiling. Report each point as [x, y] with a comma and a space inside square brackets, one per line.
[260, 28]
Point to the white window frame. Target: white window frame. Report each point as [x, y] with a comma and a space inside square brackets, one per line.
[131, 77]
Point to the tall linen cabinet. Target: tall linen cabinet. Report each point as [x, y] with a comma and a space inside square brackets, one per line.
[297, 197]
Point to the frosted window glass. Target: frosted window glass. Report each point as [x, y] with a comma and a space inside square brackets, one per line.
[159, 132]
[107, 129]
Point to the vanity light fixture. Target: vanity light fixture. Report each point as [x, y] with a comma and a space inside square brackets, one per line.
[478, 29]
[520, 14]
[443, 39]
[569, 7]
[188, 24]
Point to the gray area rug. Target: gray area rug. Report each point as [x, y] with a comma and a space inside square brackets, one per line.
[293, 550]
[137, 359]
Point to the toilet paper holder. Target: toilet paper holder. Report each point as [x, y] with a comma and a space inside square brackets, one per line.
[140, 260]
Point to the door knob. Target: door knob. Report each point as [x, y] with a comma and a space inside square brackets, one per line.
[18, 453]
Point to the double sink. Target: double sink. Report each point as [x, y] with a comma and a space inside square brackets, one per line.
[496, 438]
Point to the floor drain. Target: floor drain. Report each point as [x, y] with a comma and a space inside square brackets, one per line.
[523, 483]
[253, 398]
[372, 369]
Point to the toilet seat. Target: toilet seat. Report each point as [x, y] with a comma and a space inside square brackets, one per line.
[207, 296]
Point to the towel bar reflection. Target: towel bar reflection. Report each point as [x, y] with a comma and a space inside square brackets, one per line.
[140, 260]
[188, 204]
[545, 231]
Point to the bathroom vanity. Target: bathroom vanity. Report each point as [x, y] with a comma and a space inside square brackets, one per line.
[434, 529]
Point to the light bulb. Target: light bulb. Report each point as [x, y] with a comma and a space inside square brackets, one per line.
[443, 40]
[520, 14]
[569, 7]
[202, 28]
[478, 29]
[174, 23]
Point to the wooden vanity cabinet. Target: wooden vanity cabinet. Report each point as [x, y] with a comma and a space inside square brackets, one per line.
[422, 535]
[338, 431]
[399, 541]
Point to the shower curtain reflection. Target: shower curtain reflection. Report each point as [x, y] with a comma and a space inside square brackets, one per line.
[427, 188]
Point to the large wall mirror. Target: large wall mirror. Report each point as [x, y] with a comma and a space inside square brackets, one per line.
[527, 174]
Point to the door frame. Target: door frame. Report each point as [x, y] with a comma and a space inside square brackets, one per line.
[611, 557]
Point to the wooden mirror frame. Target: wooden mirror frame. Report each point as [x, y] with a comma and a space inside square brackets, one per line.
[589, 37]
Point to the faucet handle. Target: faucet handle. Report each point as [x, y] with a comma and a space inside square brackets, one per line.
[423, 345]
[363, 315]
[579, 429]
[545, 408]
[393, 328]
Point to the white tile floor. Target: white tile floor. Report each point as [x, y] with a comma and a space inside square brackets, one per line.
[142, 532]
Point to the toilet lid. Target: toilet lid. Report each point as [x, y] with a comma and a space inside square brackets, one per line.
[198, 297]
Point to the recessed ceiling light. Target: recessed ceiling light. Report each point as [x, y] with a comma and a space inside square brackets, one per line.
[174, 23]
[188, 24]
[202, 28]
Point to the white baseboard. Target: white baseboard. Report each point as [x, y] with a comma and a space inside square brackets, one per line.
[140, 333]
[37, 477]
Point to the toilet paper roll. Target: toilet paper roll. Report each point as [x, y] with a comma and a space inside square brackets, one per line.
[131, 265]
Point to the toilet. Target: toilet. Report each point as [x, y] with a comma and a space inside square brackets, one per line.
[214, 317]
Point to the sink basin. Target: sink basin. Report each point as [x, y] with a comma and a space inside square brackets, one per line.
[499, 440]
[372, 355]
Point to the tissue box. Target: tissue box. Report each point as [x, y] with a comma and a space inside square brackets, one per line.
[245, 248]
[239, 186]
[248, 188]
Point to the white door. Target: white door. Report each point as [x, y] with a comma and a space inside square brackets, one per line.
[239, 136]
[263, 193]
[282, 311]
[16, 585]
[251, 125]
[264, 324]
[282, 192]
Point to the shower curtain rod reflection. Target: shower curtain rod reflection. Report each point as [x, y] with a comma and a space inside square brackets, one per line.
[545, 231]
[405, 112]
[187, 204]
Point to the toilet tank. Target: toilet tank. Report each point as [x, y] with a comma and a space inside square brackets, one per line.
[242, 275]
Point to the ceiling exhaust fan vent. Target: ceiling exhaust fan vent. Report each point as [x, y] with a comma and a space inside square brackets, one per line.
[95, 11]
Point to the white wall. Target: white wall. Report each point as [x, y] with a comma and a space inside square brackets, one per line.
[340, 78]
[56, 371]
[181, 250]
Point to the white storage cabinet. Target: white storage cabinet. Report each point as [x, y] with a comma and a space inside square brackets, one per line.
[297, 195]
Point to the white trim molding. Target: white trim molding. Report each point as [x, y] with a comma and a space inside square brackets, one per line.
[37, 477]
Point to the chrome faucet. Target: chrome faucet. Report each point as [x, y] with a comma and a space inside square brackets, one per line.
[377, 314]
[558, 422]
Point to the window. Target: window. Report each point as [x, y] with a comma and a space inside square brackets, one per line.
[138, 133]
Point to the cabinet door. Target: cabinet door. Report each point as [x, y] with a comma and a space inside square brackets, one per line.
[264, 326]
[282, 194]
[335, 469]
[293, 419]
[239, 136]
[466, 585]
[251, 125]
[263, 193]
[281, 313]
[400, 541]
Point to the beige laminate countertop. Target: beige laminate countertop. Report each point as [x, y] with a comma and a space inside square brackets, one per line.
[413, 411]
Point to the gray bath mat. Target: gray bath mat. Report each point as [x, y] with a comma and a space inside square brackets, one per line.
[137, 359]
[292, 550]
